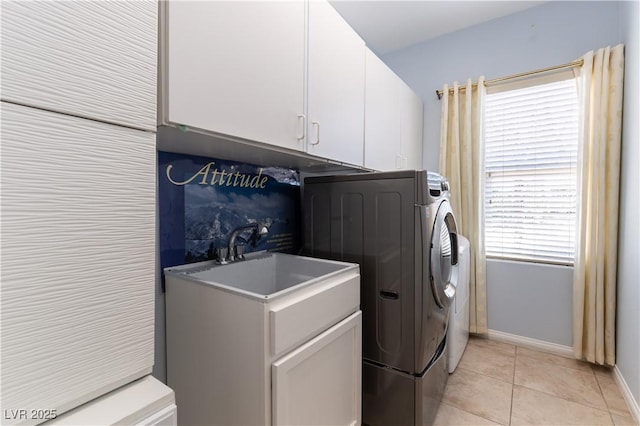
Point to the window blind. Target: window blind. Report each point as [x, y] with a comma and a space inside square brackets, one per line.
[531, 145]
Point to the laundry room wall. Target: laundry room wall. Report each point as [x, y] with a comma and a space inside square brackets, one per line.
[538, 304]
[628, 315]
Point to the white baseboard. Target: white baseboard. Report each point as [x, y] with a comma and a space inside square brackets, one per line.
[634, 408]
[566, 351]
[527, 342]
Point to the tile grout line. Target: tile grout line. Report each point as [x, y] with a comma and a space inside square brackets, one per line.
[497, 379]
[606, 404]
[468, 412]
[513, 384]
[476, 414]
[548, 348]
[605, 408]
[575, 371]
[484, 375]
[566, 399]
[508, 420]
[608, 411]
[602, 393]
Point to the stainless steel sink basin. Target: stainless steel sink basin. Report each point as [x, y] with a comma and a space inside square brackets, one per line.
[262, 275]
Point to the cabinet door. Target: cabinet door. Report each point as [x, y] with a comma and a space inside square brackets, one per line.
[89, 59]
[382, 150]
[411, 128]
[335, 87]
[236, 68]
[320, 382]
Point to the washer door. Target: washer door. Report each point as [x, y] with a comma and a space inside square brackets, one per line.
[444, 255]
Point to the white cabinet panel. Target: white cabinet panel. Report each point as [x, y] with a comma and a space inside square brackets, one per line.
[382, 148]
[319, 383]
[165, 417]
[335, 87]
[92, 59]
[78, 257]
[236, 68]
[412, 119]
[144, 402]
[393, 120]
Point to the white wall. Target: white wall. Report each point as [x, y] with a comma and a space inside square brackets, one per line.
[528, 300]
[628, 318]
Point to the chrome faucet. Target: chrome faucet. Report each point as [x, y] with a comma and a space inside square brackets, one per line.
[236, 252]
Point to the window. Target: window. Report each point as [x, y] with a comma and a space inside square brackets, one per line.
[531, 145]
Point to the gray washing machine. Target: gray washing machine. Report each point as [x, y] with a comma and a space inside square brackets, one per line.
[400, 228]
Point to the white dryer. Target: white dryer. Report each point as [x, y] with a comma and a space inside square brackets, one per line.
[458, 333]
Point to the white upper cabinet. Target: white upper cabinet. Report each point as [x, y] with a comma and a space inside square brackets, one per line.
[236, 68]
[393, 120]
[96, 60]
[411, 108]
[336, 86]
[285, 74]
[382, 116]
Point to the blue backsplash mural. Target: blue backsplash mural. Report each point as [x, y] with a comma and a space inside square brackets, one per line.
[202, 200]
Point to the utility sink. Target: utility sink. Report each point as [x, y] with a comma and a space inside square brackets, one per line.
[262, 275]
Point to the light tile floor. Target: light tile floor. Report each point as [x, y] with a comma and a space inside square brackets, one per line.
[500, 384]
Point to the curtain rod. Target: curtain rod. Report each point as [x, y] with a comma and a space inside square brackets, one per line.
[577, 63]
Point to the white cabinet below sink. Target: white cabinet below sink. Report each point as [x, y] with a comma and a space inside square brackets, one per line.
[237, 359]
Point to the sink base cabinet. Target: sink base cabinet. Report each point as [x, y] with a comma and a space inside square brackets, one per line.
[226, 366]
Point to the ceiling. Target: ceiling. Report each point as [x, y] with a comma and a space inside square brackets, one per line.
[392, 25]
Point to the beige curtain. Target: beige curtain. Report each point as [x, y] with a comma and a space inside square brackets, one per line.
[462, 162]
[594, 282]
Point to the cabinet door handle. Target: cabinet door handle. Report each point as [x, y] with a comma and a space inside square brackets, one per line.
[398, 161]
[303, 125]
[401, 162]
[317, 127]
